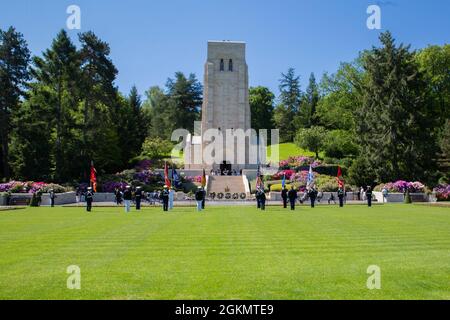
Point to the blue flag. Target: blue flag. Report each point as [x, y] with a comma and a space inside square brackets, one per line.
[283, 182]
[176, 179]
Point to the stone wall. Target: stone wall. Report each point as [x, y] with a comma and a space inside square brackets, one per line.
[61, 198]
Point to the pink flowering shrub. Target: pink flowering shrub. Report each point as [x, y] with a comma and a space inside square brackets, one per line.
[299, 161]
[30, 187]
[402, 186]
[197, 179]
[279, 175]
[442, 192]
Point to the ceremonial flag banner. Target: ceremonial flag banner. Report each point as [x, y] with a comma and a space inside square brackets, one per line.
[166, 176]
[259, 182]
[204, 178]
[93, 177]
[310, 177]
[339, 178]
[175, 178]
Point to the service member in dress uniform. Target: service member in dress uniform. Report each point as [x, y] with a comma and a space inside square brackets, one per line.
[284, 196]
[292, 195]
[369, 196]
[341, 195]
[312, 196]
[164, 195]
[138, 198]
[262, 199]
[89, 199]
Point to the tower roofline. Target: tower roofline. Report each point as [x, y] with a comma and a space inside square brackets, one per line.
[225, 41]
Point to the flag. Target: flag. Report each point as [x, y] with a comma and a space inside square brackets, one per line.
[175, 178]
[204, 178]
[166, 176]
[283, 182]
[310, 182]
[259, 182]
[339, 178]
[93, 177]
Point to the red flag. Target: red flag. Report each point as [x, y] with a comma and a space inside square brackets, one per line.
[93, 177]
[166, 176]
[339, 178]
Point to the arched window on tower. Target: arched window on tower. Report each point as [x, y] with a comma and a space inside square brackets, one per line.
[222, 65]
[230, 65]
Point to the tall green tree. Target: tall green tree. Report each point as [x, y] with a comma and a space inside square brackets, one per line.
[99, 96]
[395, 123]
[306, 115]
[341, 96]
[159, 106]
[14, 73]
[286, 111]
[261, 107]
[186, 100]
[313, 139]
[57, 79]
[31, 143]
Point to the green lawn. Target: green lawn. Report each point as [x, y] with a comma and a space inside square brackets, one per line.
[287, 150]
[226, 253]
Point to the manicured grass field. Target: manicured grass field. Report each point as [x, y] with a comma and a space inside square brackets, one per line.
[287, 150]
[226, 253]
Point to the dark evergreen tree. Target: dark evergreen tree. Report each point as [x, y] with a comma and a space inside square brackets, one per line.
[14, 73]
[396, 121]
[261, 107]
[31, 143]
[99, 95]
[57, 82]
[186, 100]
[159, 105]
[290, 98]
[306, 115]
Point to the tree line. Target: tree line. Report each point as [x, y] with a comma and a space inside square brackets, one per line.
[384, 116]
[62, 110]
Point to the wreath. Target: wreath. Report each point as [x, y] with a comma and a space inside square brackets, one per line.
[220, 195]
[235, 196]
[243, 196]
[228, 196]
[212, 195]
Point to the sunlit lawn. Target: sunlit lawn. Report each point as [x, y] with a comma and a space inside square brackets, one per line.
[226, 253]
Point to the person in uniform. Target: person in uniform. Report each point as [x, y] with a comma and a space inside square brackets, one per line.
[341, 195]
[171, 198]
[284, 196]
[312, 196]
[262, 199]
[52, 197]
[138, 198]
[165, 198]
[127, 196]
[258, 205]
[89, 199]
[204, 198]
[199, 196]
[118, 195]
[369, 196]
[292, 195]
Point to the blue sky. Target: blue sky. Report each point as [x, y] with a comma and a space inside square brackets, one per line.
[152, 39]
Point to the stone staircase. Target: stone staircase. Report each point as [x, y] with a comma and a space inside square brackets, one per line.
[218, 184]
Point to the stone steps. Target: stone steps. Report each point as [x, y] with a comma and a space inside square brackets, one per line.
[220, 183]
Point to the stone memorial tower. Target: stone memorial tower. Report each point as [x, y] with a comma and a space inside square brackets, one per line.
[225, 104]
